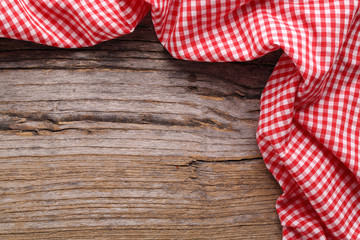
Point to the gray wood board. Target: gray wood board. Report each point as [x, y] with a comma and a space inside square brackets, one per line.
[122, 141]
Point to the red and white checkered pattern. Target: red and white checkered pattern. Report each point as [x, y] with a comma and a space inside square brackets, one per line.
[309, 130]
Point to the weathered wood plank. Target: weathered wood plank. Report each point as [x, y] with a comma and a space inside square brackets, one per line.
[147, 109]
[68, 195]
[121, 141]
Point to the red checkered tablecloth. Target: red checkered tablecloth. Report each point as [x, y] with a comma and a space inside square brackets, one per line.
[309, 129]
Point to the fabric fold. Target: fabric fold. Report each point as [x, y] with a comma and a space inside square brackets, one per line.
[309, 130]
[69, 23]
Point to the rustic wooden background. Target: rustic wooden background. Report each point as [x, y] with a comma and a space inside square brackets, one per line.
[121, 141]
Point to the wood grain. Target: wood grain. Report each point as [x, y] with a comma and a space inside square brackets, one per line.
[121, 141]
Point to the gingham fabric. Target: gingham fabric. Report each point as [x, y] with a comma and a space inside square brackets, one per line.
[309, 123]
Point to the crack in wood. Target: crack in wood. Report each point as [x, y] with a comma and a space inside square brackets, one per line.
[8, 124]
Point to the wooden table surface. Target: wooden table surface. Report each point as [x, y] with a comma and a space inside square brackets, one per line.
[122, 141]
